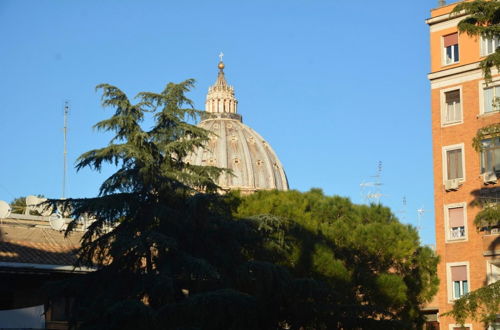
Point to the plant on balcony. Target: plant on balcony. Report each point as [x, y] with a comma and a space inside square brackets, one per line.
[480, 305]
[488, 132]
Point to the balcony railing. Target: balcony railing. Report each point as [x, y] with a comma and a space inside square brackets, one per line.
[457, 232]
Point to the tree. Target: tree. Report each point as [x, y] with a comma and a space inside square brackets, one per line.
[483, 18]
[18, 205]
[371, 266]
[480, 305]
[152, 225]
[172, 253]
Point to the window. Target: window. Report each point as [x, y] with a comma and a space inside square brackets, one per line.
[452, 111]
[489, 45]
[454, 168]
[456, 222]
[491, 101]
[494, 326]
[493, 271]
[490, 156]
[451, 48]
[459, 281]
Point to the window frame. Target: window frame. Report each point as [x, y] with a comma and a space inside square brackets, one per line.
[484, 50]
[444, 160]
[444, 51]
[489, 273]
[448, 238]
[444, 106]
[482, 156]
[450, 284]
[482, 87]
[494, 325]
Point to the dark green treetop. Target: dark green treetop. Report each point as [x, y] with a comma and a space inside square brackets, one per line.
[171, 253]
[372, 266]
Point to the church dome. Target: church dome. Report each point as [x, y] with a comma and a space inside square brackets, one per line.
[236, 146]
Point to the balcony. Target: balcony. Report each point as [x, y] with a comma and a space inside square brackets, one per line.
[457, 233]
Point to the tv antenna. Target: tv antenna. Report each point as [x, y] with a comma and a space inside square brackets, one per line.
[420, 215]
[65, 151]
[403, 210]
[373, 193]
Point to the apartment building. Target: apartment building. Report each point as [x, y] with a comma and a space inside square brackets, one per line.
[462, 103]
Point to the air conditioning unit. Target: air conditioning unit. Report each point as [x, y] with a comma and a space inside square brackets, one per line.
[489, 177]
[451, 185]
[495, 231]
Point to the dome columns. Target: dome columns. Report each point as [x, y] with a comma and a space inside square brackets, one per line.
[220, 97]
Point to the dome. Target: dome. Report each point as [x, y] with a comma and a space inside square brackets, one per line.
[236, 146]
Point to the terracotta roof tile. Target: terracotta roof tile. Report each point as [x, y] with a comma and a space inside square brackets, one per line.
[37, 245]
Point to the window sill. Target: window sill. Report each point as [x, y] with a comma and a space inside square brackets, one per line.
[488, 114]
[451, 123]
[457, 240]
[445, 65]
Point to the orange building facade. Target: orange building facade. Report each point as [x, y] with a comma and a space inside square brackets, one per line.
[462, 103]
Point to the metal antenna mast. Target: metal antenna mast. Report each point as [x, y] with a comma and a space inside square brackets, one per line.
[375, 194]
[403, 210]
[420, 213]
[65, 152]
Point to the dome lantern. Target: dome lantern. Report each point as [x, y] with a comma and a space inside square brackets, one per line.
[220, 97]
[234, 145]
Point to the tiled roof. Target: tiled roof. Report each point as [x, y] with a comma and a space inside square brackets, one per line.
[36, 253]
[36, 244]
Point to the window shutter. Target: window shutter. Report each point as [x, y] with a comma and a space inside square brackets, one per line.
[450, 39]
[459, 273]
[456, 217]
[454, 162]
[488, 100]
[453, 97]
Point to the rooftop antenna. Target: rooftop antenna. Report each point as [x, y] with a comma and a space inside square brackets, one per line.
[374, 195]
[442, 3]
[403, 211]
[420, 214]
[65, 152]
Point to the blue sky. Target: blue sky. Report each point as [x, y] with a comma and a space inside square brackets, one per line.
[334, 86]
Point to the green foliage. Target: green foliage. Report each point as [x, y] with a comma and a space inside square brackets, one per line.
[483, 18]
[364, 256]
[480, 305]
[488, 132]
[18, 205]
[489, 216]
[171, 253]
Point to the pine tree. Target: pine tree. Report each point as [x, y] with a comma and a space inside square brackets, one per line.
[161, 233]
[172, 253]
[368, 269]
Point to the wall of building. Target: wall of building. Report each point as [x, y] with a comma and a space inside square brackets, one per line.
[465, 76]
